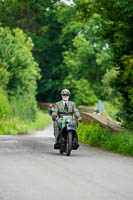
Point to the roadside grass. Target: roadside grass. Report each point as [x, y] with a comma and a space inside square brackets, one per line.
[94, 135]
[17, 126]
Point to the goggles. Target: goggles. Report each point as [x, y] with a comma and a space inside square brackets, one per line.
[65, 95]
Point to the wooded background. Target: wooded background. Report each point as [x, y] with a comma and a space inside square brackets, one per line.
[86, 46]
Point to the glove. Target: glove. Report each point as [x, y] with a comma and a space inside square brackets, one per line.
[80, 119]
[54, 116]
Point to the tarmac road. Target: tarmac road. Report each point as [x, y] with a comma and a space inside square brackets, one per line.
[30, 169]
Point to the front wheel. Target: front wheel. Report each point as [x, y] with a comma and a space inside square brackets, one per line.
[69, 143]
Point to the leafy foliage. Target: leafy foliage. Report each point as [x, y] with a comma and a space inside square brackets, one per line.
[24, 108]
[118, 30]
[17, 126]
[110, 92]
[111, 109]
[18, 71]
[88, 58]
[4, 105]
[18, 68]
[55, 33]
[81, 92]
[77, 44]
[38, 20]
[94, 135]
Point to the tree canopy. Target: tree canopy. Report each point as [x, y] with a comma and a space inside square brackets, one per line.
[18, 69]
[85, 46]
[117, 18]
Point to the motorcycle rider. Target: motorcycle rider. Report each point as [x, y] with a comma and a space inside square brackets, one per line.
[64, 108]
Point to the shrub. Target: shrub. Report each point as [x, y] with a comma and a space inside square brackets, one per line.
[18, 73]
[4, 104]
[111, 109]
[16, 125]
[94, 135]
[91, 134]
[120, 143]
[24, 107]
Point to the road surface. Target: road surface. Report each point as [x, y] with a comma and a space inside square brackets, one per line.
[30, 169]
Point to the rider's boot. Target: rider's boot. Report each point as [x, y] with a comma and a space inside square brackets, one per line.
[56, 145]
[75, 144]
[56, 133]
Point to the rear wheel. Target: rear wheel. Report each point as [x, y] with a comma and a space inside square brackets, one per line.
[69, 143]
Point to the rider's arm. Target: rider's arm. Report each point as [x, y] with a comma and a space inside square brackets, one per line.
[75, 110]
[76, 113]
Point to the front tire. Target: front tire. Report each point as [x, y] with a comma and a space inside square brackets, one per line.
[69, 143]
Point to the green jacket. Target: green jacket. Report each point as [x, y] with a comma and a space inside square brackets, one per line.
[60, 111]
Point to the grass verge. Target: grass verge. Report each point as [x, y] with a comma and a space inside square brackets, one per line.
[94, 135]
[17, 126]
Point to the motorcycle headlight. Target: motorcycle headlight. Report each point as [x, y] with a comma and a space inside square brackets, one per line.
[68, 119]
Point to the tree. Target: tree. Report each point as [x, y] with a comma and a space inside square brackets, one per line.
[109, 91]
[38, 20]
[118, 29]
[4, 105]
[90, 56]
[18, 69]
[81, 92]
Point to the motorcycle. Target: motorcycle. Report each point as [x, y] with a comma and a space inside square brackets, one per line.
[67, 138]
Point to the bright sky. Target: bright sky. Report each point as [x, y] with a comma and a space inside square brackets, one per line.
[68, 2]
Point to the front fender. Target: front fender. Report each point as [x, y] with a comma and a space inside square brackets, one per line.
[70, 128]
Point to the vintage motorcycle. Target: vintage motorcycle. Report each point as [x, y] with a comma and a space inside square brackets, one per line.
[67, 138]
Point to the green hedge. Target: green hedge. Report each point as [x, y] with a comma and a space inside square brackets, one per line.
[24, 108]
[4, 105]
[17, 126]
[94, 135]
